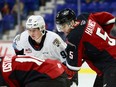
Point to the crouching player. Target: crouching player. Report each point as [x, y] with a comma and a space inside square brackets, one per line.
[26, 71]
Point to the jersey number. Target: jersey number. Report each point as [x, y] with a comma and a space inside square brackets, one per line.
[63, 54]
[105, 37]
[71, 54]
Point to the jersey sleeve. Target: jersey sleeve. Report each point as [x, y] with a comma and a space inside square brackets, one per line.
[58, 48]
[74, 50]
[17, 45]
[102, 18]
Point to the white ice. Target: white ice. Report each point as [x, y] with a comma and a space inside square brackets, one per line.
[86, 80]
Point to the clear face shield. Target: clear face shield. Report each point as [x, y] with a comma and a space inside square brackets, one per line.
[61, 27]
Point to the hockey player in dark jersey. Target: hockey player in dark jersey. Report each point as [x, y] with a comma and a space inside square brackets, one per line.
[27, 71]
[88, 39]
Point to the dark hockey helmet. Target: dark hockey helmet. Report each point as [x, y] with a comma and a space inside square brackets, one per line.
[65, 15]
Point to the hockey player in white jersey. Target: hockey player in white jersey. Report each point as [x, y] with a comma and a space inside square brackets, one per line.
[39, 42]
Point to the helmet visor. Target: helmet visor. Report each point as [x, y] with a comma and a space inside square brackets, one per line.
[61, 27]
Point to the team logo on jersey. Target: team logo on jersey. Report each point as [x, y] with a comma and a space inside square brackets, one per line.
[56, 42]
[28, 50]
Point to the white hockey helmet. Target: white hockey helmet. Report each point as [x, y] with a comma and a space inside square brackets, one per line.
[36, 21]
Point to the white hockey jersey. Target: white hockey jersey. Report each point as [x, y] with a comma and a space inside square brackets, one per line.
[53, 46]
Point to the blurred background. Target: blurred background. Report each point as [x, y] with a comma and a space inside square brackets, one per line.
[13, 13]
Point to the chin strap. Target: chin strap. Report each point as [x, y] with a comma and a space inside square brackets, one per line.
[43, 32]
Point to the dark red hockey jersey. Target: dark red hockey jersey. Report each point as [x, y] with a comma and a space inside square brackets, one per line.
[19, 70]
[90, 40]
